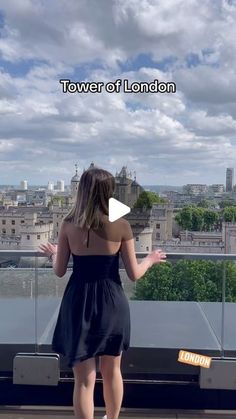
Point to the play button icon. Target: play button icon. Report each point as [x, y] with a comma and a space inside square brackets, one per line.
[116, 209]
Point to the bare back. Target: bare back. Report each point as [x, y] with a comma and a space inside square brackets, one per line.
[104, 241]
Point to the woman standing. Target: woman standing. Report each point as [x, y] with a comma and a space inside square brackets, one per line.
[94, 315]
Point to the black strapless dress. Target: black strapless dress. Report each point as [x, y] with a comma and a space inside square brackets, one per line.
[94, 315]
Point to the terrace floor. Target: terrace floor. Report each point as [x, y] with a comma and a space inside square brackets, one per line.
[48, 412]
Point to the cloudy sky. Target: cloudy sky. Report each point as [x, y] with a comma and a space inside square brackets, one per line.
[184, 137]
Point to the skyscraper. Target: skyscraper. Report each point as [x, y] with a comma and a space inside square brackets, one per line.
[24, 184]
[50, 186]
[61, 185]
[229, 179]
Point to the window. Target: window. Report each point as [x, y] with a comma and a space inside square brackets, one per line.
[3, 221]
[147, 248]
[38, 236]
[13, 231]
[13, 222]
[4, 231]
[157, 225]
[28, 237]
[137, 239]
[57, 224]
[157, 235]
[22, 221]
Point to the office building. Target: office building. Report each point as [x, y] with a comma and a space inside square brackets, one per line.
[61, 185]
[24, 185]
[229, 179]
[50, 186]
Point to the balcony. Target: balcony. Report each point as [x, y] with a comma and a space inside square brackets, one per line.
[155, 383]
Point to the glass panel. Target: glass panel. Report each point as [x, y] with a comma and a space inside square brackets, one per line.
[229, 310]
[17, 306]
[50, 292]
[185, 303]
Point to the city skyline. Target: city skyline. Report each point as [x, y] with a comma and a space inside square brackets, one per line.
[133, 174]
[167, 138]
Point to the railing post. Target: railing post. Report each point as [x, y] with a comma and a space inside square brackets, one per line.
[223, 311]
[36, 302]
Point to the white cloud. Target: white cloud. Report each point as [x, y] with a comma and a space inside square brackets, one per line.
[189, 133]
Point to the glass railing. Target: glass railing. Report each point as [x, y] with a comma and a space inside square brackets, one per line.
[198, 290]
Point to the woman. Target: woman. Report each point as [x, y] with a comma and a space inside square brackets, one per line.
[94, 316]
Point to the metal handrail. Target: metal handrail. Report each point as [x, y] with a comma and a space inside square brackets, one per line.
[175, 255]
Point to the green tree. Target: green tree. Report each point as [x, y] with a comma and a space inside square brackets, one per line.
[151, 289]
[204, 203]
[226, 203]
[187, 280]
[210, 218]
[229, 214]
[197, 219]
[184, 218]
[147, 198]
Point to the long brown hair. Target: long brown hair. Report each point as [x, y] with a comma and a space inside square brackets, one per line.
[96, 186]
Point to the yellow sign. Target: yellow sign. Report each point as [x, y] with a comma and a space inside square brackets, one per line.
[194, 359]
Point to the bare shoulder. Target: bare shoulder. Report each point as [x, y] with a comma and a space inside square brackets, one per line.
[125, 229]
[66, 225]
[123, 222]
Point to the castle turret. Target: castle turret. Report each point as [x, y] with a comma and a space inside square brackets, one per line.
[74, 183]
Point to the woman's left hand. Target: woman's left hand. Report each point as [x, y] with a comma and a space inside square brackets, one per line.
[48, 248]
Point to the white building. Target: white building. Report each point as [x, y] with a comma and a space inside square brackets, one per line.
[24, 185]
[217, 188]
[195, 188]
[143, 240]
[50, 186]
[61, 185]
[34, 233]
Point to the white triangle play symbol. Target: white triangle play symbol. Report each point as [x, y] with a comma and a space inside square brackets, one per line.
[116, 209]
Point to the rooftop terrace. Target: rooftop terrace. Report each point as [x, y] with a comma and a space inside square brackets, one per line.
[155, 383]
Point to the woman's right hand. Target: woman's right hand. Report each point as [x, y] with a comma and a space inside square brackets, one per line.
[157, 256]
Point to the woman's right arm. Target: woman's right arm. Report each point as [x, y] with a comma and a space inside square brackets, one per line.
[134, 269]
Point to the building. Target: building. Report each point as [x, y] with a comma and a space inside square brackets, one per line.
[34, 232]
[58, 213]
[143, 240]
[39, 197]
[229, 237]
[74, 183]
[50, 186]
[162, 221]
[127, 190]
[60, 185]
[202, 238]
[229, 179]
[13, 218]
[217, 188]
[24, 185]
[158, 220]
[195, 188]
[24, 228]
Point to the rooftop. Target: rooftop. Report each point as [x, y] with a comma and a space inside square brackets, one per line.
[156, 384]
